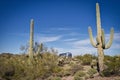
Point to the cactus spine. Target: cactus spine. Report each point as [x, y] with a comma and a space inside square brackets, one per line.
[100, 39]
[31, 39]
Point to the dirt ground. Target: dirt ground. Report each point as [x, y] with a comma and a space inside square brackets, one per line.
[68, 78]
[105, 78]
[95, 78]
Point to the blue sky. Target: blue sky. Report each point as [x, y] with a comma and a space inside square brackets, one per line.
[61, 24]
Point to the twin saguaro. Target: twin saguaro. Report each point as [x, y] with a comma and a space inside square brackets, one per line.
[100, 39]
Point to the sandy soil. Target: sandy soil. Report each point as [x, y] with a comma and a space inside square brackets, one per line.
[68, 78]
[95, 78]
[105, 78]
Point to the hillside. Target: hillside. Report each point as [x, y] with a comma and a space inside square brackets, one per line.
[52, 67]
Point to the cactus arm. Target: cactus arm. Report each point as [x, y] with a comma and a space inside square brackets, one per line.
[91, 37]
[38, 50]
[103, 38]
[109, 43]
[98, 20]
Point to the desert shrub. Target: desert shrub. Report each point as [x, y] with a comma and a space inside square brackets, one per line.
[18, 67]
[78, 78]
[67, 73]
[106, 73]
[75, 68]
[56, 69]
[91, 72]
[78, 57]
[7, 71]
[113, 66]
[56, 78]
[79, 75]
[64, 73]
[71, 63]
[87, 59]
[61, 61]
[107, 58]
[50, 61]
[93, 64]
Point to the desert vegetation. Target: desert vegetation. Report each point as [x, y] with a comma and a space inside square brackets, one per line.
[14, 67]
[41, 63]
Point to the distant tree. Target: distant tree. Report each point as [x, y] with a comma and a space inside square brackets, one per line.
[24, 48]
[53, 51]
[39, 48]
[36, 46]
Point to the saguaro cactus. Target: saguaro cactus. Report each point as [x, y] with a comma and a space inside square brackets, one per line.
[100, 39]
[31, 39]
[40, 48]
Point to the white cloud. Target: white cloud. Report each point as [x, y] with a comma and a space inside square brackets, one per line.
[83, 50]
[115, 46]
[61, 50]
[116, 36]
[61, 29]
[73, 34]
[78, 47]
[84, 46]
[81, 42]
[68, 40]
[48, 39]
[78, 51]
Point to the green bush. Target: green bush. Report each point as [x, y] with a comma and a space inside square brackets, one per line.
[91, 72]
[113, 66]
[75, 68]
[17, 67]
[106, 73]
[78, 57]
[79, 75]
[78, 78]
[87, 59]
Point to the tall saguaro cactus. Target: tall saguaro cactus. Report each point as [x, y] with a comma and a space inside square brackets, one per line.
[100, 39]
[31, 39]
